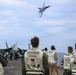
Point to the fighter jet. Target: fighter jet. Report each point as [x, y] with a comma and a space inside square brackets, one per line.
[41, 10]
[5, 52]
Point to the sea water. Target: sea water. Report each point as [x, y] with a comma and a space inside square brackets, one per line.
[60, 56]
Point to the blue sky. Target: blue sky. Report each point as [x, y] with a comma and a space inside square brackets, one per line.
[20, 21]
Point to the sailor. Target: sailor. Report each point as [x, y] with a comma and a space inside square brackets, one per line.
[52, 59]
[73, 60]
[3, 63]
[11, 54]
[16, 55]
[45, 50]
[35, 61]
[73, 64]
[67, 61]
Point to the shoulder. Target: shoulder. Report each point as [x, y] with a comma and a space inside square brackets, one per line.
[44, 54]
[50, 52]
[65, 52]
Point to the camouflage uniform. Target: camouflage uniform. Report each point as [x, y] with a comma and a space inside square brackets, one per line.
[3, 63]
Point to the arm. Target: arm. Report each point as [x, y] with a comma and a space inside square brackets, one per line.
[56, 56]
[3, 61]
[23, 67]
[45, 64]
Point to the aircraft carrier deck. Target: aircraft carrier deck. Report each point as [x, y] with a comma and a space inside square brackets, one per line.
[14, 68]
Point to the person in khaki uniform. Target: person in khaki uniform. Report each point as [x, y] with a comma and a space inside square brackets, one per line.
[45, 50]
[52, 59]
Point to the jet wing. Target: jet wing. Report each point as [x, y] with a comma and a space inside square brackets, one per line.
[39, 8]
[7, 49]
[41, 13]
[20, 50]
[47, 7]
[3, 51]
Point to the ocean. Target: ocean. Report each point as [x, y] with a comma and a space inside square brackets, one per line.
[60, 56]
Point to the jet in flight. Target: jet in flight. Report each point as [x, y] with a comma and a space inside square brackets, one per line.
[41, 10]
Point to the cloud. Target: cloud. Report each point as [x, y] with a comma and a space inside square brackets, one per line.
[17, 31]
[60, 1]
[21, 3]
[3, 22]
[15, 19]
[44, 22]
[10, 2]
[55, 22]
[56, 30]
[6, 12]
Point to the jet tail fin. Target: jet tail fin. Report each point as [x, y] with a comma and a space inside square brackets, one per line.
[44, 4]
[15, 46]
[6, 44]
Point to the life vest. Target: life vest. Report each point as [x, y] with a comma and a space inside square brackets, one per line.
[1, 69]
[45, 52]
[33, 62]
[73, 64]
[67, 61]
[51, 56]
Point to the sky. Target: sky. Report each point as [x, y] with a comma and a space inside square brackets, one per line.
[20, 21]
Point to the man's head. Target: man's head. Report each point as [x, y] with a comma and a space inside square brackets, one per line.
[46, 49]
[35, 41]
[70, 49]
[52, 47]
